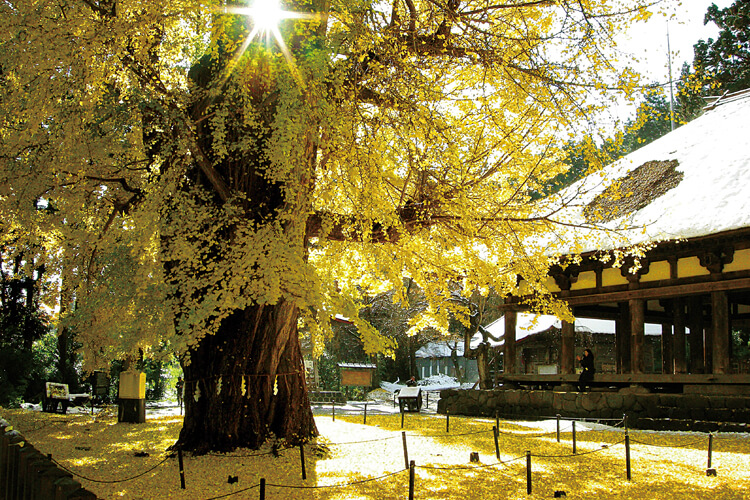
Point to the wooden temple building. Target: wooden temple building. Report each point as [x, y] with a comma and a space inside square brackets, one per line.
[687, 198]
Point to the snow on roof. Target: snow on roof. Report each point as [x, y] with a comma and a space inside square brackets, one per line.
[526, 324]
[361, 366]
[712, 154]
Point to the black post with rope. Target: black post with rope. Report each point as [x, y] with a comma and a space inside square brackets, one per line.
[406, 451]
[627, 456]
[528, 472]
[182, 468]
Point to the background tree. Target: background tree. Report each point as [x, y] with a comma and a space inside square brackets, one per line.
[392, 314]
[254, 185]
[25, 356]
[721, 65]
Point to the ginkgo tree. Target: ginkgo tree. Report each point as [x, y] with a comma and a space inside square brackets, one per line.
[226, 173]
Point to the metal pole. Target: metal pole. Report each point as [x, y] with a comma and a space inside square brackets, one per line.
[497, 420]
[427, 399]
[302, 459]
[411, 480]
[497, 445]
[710, 448]
[528, 472]
[406, 451]
[558, 427]
[574, 437]
[627, 455]
[333, 410]
[263, 488]
[402, 418]
[447, 422]
[365, 421]
[182, 468]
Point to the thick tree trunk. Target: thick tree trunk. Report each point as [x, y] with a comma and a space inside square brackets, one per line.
[483, 366]
[246, 384]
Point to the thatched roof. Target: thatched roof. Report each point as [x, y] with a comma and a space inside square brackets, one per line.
[694, 181]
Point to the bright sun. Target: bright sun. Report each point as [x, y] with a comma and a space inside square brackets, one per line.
[266, 15]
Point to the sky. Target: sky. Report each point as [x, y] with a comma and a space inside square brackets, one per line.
[648, 41]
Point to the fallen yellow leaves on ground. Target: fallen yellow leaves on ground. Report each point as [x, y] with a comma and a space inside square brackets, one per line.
[354, 461]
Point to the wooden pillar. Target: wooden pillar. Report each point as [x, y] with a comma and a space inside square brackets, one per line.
[667, 353]
[622, 339]
[695, 323]
[509, 348]
[567, 348]
[637, 333]
[720, 332]
[678, 339]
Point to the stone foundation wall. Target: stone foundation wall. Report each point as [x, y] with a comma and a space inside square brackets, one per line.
[706, 413]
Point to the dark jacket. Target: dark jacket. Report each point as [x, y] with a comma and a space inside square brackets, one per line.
[587, 363]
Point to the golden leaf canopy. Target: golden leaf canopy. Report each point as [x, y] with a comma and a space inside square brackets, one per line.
[177, 170]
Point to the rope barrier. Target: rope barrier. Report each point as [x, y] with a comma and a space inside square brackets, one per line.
[358, 442]
[108, 481]
[442, 434]
[683, 445]
[471, 467]
[235, 492]
[570, 455]
[227, 455]
[534, 435]
[603, 447]
[342, 485]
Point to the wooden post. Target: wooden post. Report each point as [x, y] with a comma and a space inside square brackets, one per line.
[622, 339]
[406, 451]
[528, 472]
[720, 332]
[182, 468]
[627, 456]
[695, 323]
[667, 343]
[497, 445]
[567, 348]
[678, 340]
[411, 480]
[302, 460]
[509, 348]
[637, 332]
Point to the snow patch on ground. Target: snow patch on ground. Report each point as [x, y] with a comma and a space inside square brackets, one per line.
[434, 383]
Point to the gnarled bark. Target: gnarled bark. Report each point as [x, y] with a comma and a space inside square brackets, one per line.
[246, 383]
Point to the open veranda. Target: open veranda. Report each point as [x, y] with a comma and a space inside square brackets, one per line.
[355, 460]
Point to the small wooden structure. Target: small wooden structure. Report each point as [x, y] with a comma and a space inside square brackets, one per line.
[410, 399]
[357, 374]
[687, 194]
[57, 397]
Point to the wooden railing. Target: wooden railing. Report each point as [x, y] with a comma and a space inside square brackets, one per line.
[25, 473]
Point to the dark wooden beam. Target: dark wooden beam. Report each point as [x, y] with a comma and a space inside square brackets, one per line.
[695, 323]
[637, 333]
[679, 349]
[667, 354]
[720, 332]
[638, 378]
[665, 292]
